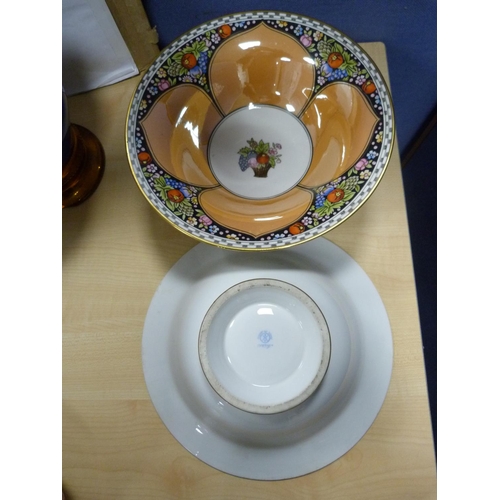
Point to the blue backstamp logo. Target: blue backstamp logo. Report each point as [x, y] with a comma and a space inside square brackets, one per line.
[265, 337]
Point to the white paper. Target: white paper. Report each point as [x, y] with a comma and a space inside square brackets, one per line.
[94, 53]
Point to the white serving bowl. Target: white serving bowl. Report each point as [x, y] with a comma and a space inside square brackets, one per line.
[291, 443]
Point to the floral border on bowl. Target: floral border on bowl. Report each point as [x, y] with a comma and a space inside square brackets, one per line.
[186, 61]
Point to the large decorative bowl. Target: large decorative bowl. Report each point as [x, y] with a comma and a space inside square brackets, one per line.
[260, 130]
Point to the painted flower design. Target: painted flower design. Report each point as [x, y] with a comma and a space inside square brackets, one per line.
[199, 83]
[361, 164]
[205, 220]
[163, 84]
[306, 40]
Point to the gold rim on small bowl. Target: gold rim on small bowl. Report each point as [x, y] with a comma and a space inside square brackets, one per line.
[264, 346]
[260, 130]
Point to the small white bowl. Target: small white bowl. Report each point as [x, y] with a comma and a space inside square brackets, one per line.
[264, 346]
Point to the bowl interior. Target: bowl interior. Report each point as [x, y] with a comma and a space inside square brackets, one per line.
[264, 346]
[259, 132]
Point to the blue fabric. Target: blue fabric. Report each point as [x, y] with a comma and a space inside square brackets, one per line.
[408, 30]
[419, 176]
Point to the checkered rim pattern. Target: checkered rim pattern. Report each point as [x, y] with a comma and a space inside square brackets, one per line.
[366, 190]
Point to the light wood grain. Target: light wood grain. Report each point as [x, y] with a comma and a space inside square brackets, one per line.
[116, 250]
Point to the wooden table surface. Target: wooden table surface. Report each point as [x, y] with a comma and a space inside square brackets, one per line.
[117, 249]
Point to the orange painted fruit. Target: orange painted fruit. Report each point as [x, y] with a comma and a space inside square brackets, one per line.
[144, 158]
[188, 61]
[175, 195]
[296, 228]
[369, 87]
[335, 60]
[262, 158]
[224, 31]
[336, 195]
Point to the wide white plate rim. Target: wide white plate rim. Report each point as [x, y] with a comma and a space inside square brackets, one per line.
[190, 408]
